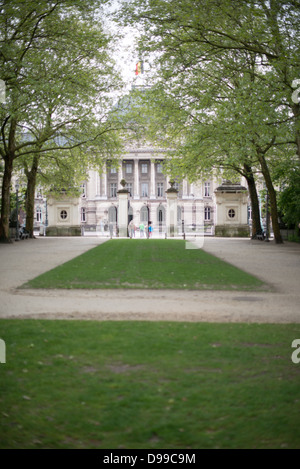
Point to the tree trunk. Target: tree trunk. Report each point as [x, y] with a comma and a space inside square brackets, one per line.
[272, 198]
[8, 169]
[5, 207]
[256, 224]
[31, 184]
[296, 112]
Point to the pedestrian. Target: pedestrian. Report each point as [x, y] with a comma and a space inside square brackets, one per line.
[142, 229]
[131, 229]
[150, 229]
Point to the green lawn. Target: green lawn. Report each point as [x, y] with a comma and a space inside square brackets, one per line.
[158, 264]
[82, 384]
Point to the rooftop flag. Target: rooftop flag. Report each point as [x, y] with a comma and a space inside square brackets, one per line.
[139, 69]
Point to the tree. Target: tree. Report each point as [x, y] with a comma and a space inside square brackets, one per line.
[58, 73]
[187, 34]
[62, 162]
[242, 57]
[289, 200]
[229, 130]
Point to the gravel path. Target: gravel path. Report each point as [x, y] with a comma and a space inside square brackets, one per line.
[279, 266]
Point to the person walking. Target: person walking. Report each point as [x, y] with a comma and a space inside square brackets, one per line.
[131, 229]
[142, 230]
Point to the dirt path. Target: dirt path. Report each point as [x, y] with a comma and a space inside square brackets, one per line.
[279, 266]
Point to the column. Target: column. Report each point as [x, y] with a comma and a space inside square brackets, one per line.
[103, 183]
[152, 181]
[172, 199]
[184, 189]
[136, 180]
[123, 213]
[97, 185]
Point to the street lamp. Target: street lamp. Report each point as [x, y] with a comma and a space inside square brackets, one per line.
[17, 203]
[182, 222]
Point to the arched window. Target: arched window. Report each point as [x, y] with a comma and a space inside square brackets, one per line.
[144, 214]
[161, 214]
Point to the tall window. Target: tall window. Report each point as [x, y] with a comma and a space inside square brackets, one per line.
[207, 189]
[144, 189]
[128, 168]
[144, 168]
[113, 170]
[39, 214]
[113, 190]
[144, 214]
[207, 213]
[160, 189]
[159, 168]
[83, 214]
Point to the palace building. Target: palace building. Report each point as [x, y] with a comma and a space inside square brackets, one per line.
[207, 207]
[97, 211]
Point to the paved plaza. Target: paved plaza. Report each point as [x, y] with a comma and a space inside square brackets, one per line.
[277, 265]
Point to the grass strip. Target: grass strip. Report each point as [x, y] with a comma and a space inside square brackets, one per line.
[146, 264]
[82, 384]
